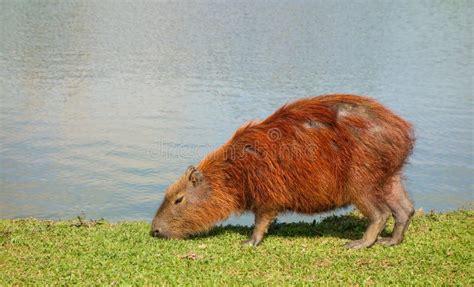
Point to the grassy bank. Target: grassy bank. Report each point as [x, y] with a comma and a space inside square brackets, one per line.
[438, 249]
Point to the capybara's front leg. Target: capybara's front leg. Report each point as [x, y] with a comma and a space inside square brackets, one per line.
[262, 222]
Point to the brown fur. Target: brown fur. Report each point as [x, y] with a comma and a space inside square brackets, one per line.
[312, 155]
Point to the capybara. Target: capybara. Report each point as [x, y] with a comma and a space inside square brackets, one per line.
[311, 155]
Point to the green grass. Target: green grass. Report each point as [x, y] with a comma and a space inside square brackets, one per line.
[438, 250]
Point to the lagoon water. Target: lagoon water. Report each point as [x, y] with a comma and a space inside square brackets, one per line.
[104, 103]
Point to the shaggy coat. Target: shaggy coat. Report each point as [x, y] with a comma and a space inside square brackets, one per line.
[312, 155]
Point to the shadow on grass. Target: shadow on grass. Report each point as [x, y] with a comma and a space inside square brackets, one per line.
[343, 226]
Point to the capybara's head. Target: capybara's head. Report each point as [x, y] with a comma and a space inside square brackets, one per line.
[185, 208]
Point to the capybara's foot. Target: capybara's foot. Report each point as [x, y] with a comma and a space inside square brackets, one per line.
[262, 221]
[388, 241]
[357, 244]
[250, 242]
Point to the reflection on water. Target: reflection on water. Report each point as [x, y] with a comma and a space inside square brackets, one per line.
[103, 104]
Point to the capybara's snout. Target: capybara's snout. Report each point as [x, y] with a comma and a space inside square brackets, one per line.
[155, 233]
[155, 230]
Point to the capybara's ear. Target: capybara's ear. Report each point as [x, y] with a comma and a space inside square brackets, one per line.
[190, 169]
[196, 177]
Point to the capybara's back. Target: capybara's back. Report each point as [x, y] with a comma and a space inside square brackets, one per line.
[310, 156]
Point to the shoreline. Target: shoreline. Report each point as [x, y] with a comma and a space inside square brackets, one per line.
[437, 250]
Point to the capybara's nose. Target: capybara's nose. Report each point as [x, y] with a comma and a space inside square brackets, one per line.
[155, 233]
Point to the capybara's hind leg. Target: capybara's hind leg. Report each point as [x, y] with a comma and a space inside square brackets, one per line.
[262, 222]
[377, 213]
[402, 209]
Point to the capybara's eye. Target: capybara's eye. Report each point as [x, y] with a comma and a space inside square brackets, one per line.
[179, 199]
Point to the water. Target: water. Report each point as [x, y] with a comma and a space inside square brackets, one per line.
[104, 103]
